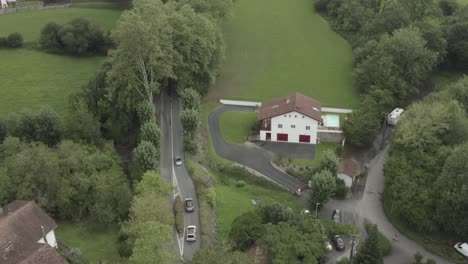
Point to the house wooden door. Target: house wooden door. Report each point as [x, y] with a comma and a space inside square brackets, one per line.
[282, 137]
[304, 138]
[268, 136]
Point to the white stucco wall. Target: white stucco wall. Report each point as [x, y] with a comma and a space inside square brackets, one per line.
[294, 118]
[50, 237]
[347, 180]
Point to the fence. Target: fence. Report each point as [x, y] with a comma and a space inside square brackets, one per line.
[31, 8]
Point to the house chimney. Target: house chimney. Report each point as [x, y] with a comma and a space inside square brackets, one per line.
[44, 235]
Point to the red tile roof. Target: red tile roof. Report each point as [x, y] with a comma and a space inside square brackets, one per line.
[293, 102]
[349, 167]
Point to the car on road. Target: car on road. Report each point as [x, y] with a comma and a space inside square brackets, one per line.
[189, 205]
[178, 160]
[462, 248]
[191, 234]
[336, 216]
[338, 242]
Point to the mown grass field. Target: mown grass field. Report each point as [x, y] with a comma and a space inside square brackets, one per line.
[275, 47]
[232, 201]
[29, 24]
[235, 125]
[94, 243]
[32, 78]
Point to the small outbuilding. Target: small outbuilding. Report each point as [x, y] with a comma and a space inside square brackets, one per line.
[348, 169]
[394, 116]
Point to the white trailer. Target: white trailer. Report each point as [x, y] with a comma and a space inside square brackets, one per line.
[394, 116]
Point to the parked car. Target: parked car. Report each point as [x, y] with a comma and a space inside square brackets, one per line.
[462, 248]
[189, 205]
[191, 234]
[336, 216]
[178, 160]
[338, 242]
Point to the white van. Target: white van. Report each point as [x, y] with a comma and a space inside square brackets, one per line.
[462, 248]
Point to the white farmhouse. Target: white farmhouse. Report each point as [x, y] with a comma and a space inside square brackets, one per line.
[292, 118]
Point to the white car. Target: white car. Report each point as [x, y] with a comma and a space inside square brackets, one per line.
[191, 234]
[462, 248]
[178, 161]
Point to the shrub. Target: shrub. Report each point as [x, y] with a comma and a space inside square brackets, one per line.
[210, 195]
[190, 98]
[15, 40]
[50, 38]
[124, 247]
[3, 130]
[145, 112]
[3, 42]
[341, 190]
[78, 37]
[240, 184]
[44, 126]
[190, 145]
[145, 158]
[179, 214]
[150, 132]
[384, 244]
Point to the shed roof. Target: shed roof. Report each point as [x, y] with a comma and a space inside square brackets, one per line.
[290, 103]
[349, 167]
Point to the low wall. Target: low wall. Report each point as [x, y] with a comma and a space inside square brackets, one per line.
[330, 136]
[31, 8]
[240, 103]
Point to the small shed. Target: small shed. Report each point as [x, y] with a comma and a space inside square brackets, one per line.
[348, 169]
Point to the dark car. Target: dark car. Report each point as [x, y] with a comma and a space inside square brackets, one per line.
[189, 205]
[336, 216]
[338, 242]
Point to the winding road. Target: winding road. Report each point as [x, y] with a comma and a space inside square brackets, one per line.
[358, 211]
[172, 145]
[249, 155]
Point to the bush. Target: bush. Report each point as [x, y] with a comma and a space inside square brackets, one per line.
[341, 190]
[150, 132]
[384, 244]
[124, 247]
[44, 126]
[240, 184]
[179, 214]
[3, 42]
[190, 145]
[210, 195]
[15, 40]
[321, 5]
[145, 158]
[78, 37]
[145, 112]
[3, 130]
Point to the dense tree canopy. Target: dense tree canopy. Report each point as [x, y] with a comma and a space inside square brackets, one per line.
[424, 169]
[71, 181]
[369, 252]
[323, 187]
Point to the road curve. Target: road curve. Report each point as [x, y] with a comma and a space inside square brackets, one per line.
[249, 155]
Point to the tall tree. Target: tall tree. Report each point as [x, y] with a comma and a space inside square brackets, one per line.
[369, 252]
[246, 229]
[221, 255]
[329, 161]
[323, 187]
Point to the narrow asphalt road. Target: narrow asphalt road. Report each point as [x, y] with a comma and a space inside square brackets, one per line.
[357, 211]
[172, 145]
[369, 209]
[249, 155]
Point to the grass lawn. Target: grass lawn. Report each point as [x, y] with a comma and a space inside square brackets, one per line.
[235, 125]
[275, 47]
[232, 201]
[94, 244]
[33, 78]
[29, 24]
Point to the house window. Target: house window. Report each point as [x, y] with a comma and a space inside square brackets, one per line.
[280, 125]
[293, 126]
[285, 116]
[289, 115]
[295, 116]
[307, 127]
